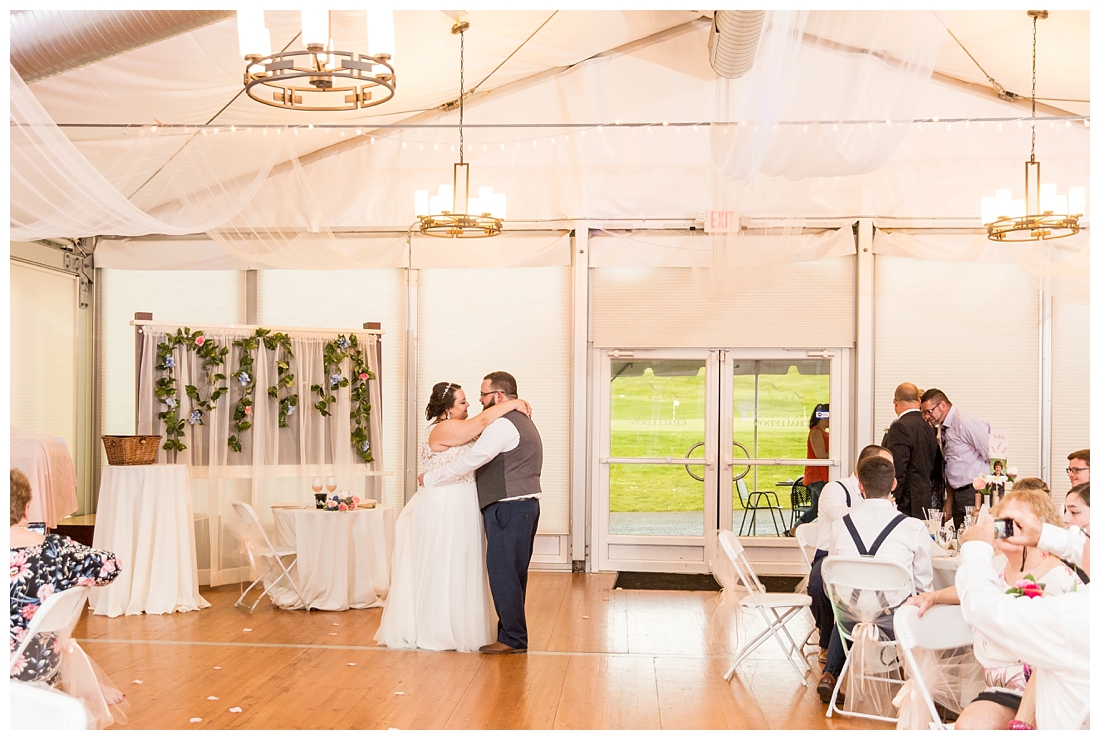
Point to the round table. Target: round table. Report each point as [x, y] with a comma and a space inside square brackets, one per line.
[145, 518]
[343, 556]
[943, 571]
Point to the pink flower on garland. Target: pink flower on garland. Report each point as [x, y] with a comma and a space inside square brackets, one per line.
[247, 410]
[200, 340]
[363, 376]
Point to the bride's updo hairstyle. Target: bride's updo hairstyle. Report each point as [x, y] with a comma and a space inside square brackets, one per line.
[443, 398]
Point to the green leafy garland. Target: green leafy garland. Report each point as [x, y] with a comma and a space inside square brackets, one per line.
[213, 356]
[288, 402]
[335, 353]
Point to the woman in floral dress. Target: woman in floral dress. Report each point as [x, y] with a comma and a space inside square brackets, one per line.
[40, 566]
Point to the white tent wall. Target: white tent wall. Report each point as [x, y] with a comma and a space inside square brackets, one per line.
[1070, 388]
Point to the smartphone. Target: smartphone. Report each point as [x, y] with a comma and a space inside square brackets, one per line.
[1003, 528]
[39, 527]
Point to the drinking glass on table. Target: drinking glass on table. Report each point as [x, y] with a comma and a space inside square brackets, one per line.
[317, 486]
[330, 484]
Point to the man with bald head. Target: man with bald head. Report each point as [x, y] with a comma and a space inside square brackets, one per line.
[912, 442]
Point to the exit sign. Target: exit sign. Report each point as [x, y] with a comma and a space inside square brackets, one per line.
[719, 222]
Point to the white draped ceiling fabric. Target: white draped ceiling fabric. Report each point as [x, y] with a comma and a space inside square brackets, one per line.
[275, 465]
[296, 198]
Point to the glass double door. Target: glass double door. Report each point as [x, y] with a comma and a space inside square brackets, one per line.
[693, 441]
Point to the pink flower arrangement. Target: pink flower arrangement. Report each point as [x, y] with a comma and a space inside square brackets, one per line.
[1027, 586]
[342, 507]
[342, 503]
[979, 483]
[200, 340]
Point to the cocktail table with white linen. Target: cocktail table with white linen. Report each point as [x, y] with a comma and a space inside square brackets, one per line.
[343, 556]
[145, 518]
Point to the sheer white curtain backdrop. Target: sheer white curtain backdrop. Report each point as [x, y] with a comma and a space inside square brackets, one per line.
[275, 464]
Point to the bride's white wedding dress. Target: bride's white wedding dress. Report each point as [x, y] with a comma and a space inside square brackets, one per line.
[439, 591]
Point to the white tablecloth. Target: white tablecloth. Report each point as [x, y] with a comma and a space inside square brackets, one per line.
[145, 518]
[343, 556]
[943, 571]
[49, 467]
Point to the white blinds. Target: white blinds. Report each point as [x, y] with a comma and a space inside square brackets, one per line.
[807, 304]
[969, 329]
[473, 322]
[43, 352]
[1070, 416]
[210, 296]
[349, 298]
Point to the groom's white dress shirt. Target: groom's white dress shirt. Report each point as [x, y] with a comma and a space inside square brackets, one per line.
[1050, 633]
[500, 436]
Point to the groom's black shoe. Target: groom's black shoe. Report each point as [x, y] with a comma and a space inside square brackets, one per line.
[499, 648]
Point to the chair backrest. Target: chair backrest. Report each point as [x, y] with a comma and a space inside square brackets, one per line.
[37, 708]
[800, 495]
[736, 553]
[806, 534]
[254, 535]
[742, 492]
[59, 613]
[862, 589]
[942, 627]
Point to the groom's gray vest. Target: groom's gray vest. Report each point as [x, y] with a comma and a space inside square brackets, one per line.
[515, 472]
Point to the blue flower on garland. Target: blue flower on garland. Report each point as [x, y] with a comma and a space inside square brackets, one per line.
[169, 361]
[366, 445]
[196, 417]
[343, 343]
[335, 379]
[171, 402]
[244, 378]
[290, 410]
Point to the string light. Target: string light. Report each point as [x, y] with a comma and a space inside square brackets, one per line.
[372, 139]
[311, 127]
[358, 132]
[233, 129]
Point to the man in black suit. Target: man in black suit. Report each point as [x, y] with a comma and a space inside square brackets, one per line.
[912, 442]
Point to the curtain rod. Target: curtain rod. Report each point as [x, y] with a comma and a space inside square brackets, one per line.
[245, 327]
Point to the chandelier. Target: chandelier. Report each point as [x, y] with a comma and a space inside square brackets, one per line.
[1041, 214]
[453, 213]
[318, 78]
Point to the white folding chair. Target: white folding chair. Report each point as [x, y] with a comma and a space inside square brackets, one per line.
[941, 628]
[59, 613]
[862, 591]
[260, 550]
[806, 535]
[37, 708]
[768, 606]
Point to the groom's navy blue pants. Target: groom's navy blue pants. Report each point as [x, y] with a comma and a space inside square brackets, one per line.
[510, 538]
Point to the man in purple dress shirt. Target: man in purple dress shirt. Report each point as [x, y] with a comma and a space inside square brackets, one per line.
[965, 442]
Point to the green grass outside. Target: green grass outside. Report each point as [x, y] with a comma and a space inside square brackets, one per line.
[662, 416]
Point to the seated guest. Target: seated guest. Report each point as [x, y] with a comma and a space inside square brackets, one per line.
[877, 529]
[1078, 470]
[1030, 484]
[40, 566]
[1077, 515]
[1006, 674]
[1049, 633]
[838, 497]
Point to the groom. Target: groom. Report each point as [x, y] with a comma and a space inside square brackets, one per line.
[508, 461]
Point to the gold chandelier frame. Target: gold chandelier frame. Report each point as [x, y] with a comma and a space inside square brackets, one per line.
[1036, 224]
[297, 80]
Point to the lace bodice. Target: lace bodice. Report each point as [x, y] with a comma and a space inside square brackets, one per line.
[430, 460]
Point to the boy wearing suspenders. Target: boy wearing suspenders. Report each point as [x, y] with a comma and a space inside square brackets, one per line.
[878, 530]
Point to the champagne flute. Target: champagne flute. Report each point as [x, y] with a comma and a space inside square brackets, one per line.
[330, 484]
[316, 485]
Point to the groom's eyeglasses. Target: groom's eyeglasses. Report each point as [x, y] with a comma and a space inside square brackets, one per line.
[488, 393]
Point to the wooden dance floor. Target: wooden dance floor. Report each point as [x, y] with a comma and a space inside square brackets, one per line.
[599, 659]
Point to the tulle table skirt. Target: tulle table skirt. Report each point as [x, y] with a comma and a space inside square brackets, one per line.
[343, 556]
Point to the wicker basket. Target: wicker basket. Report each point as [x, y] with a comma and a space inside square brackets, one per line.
[137, 450]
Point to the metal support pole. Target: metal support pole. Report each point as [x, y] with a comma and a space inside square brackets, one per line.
[863, 429]
[579, 417]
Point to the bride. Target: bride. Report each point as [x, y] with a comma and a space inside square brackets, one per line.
[439, 592]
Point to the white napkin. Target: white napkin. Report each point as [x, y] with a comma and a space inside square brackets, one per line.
[939, 552]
